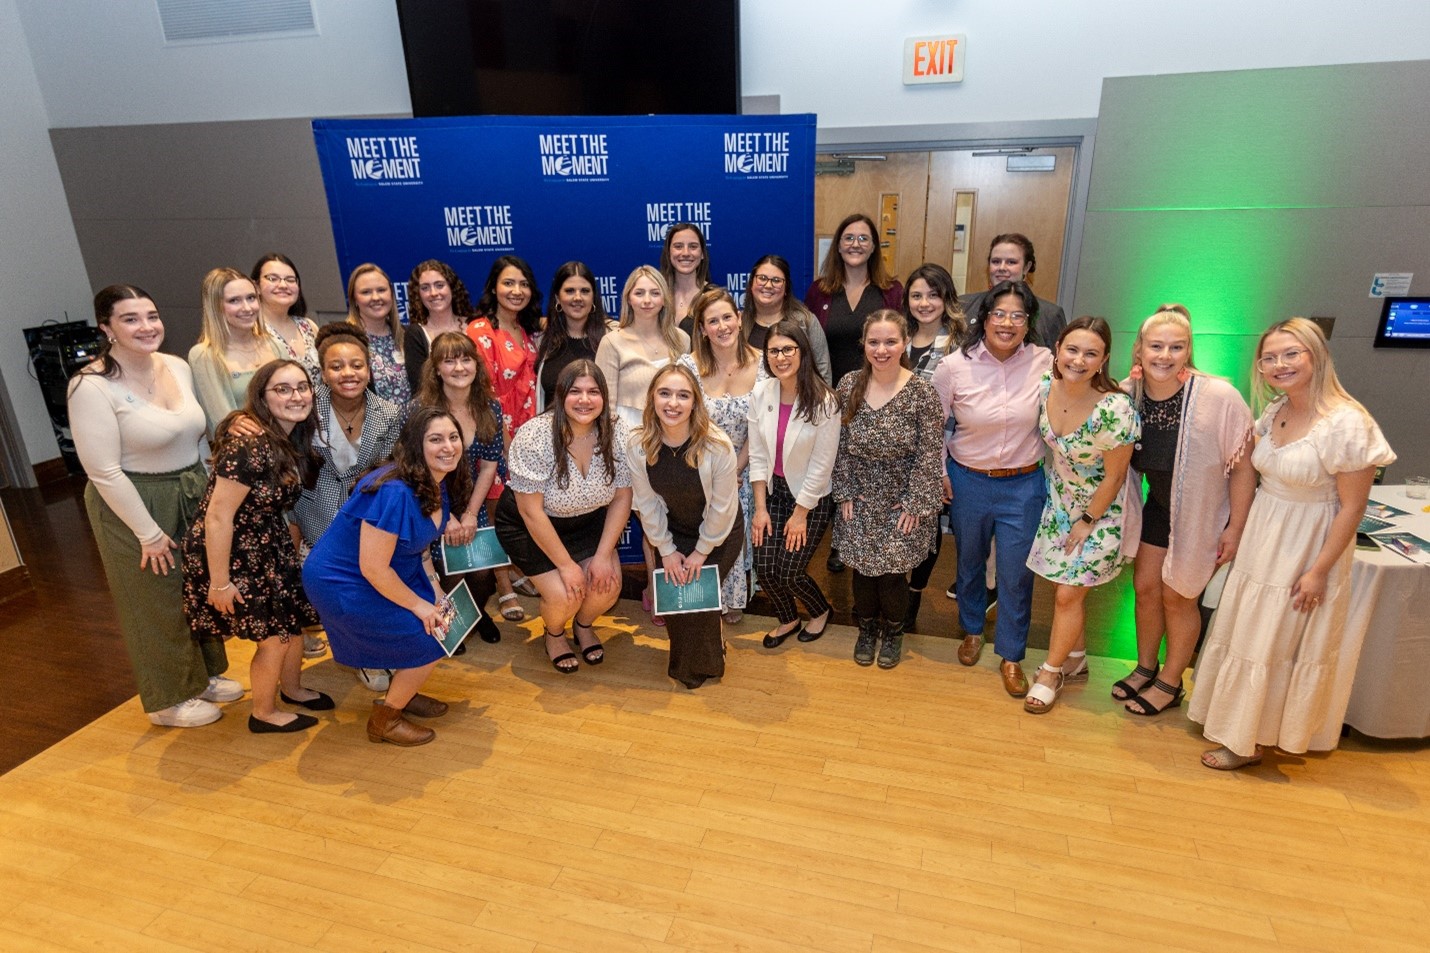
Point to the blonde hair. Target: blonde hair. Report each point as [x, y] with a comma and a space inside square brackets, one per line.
[394, 323]
[703, 433]
[1327, 393]
[213, 331]
[700, 345]
[1167, 315]
[668, 330]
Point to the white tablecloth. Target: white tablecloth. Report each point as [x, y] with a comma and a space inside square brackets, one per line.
[1390, 603]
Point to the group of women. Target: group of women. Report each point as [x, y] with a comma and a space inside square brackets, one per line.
[737, 440]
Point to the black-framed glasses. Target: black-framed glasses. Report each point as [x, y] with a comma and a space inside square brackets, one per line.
[774, 281]
[784, 350]
[288, 390]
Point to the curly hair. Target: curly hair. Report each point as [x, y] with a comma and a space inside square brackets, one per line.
[461, 300]
[409, 464]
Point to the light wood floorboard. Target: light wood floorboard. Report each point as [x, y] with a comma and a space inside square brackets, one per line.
[802, 804]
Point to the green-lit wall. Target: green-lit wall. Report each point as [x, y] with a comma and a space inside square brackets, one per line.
[1256, 195]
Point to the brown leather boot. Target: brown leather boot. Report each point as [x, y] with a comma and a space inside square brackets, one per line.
[420, 706]
[387, 724]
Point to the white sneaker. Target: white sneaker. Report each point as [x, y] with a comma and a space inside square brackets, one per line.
[189, 714]
[376, 679]
[222, 690]
[313, 647]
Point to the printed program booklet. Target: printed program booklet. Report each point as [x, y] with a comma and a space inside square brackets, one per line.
[1409, 545]
[701, 595]
[483, 552]
[459, 616]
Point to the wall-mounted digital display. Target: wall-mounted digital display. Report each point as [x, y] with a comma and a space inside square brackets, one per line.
[1404, 322]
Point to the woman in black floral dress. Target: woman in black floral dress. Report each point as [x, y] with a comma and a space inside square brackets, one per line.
[242, 575]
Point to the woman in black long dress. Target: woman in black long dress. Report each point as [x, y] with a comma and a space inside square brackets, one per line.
[686, 484]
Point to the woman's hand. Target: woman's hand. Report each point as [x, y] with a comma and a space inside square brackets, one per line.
[223, 599]
[907, 522]
[462, 531]
[796, 531]
[1227, 546]
[1309, 591]
[693, 564]
[157, 556]
[947, 489]
[674, 566]
[846, 510]
[573, 579]
[431, 618]
[759, 526]
[1078, 535]
[245, 426]
[603, 572]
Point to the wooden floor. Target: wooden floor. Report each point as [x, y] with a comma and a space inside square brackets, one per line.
[803, 803]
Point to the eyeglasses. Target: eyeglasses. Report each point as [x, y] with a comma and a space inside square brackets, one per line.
[281, 279]
[855, 240]
[787, 350]
[774, 281]
[1015, 318]
[1269, 361]
[288, 390]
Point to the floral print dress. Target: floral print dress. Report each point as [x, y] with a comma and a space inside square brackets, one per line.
[731, 414]
[263, 561]
[1074, 472]
[389, 375]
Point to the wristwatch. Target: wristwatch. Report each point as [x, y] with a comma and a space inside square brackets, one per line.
[1087, 518]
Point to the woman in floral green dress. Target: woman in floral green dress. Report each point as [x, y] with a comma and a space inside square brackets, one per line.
[1089, 425]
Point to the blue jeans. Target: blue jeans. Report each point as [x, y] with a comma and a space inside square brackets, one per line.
[1008, 508]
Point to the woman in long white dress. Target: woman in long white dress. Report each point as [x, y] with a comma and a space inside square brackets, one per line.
[1275, 671]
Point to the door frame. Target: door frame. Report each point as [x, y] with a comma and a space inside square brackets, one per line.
[1077, 133]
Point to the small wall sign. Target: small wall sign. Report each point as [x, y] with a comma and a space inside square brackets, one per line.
[934, 59]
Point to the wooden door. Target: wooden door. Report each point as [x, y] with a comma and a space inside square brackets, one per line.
[904, 176]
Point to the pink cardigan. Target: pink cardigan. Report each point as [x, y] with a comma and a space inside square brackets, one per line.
[1215, 432]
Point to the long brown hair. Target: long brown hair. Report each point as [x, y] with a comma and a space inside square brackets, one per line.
[811, 393]
[432, 393]
[702, 348]
[461, 298]
[702, 431]
[295, 460]
[861, 379]
[561, 434]
[831, 274]
[667, 267]
[1102, 381]
[104, 301]
[409, 464]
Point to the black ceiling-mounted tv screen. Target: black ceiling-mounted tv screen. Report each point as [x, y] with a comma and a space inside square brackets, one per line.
[571, 57]
[1404, 322]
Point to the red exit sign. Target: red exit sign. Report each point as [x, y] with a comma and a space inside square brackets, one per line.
[934, 59]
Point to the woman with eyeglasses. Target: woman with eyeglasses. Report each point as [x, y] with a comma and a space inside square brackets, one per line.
[233, 343]
[1195, 454]
[685, 266]
[794, 435]
[574, 327]
[1089, 425]
[1011, 258]
[988, 387]
[371, 307]
[1276, 670]
[728, 370]
[853, 283]
[437, 303]
[768, 301]
[284, 311]
[936, 327]
[242, 573]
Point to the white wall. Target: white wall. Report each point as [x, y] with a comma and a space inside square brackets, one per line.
[41, 272]
[104, 63]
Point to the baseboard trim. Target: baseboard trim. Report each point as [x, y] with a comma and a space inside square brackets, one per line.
[14, 582]
[50, 471]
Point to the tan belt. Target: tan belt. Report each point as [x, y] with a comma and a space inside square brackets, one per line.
[1000, 474]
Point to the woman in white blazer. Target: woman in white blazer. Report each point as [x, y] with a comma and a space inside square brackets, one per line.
[794, 436]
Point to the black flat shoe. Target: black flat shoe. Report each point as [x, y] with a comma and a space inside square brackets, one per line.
[834, 563]
[321, 703]
[773, 641]
[488, 630]
[299, 723]
[809, 635]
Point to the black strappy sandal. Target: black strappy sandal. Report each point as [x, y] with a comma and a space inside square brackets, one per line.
[593, 654]
[1146, 708]
[559, 662]
[1124, 691]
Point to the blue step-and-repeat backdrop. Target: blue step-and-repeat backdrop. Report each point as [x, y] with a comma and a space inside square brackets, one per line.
[550, 189]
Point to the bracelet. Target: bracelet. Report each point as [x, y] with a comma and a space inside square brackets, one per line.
[213, 588]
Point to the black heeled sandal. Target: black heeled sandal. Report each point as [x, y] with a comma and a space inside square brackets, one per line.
[1124, 691]
[559, 662]
[593, 654]
[1146, 708]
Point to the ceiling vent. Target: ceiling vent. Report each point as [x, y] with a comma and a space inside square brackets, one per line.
[208, 21]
